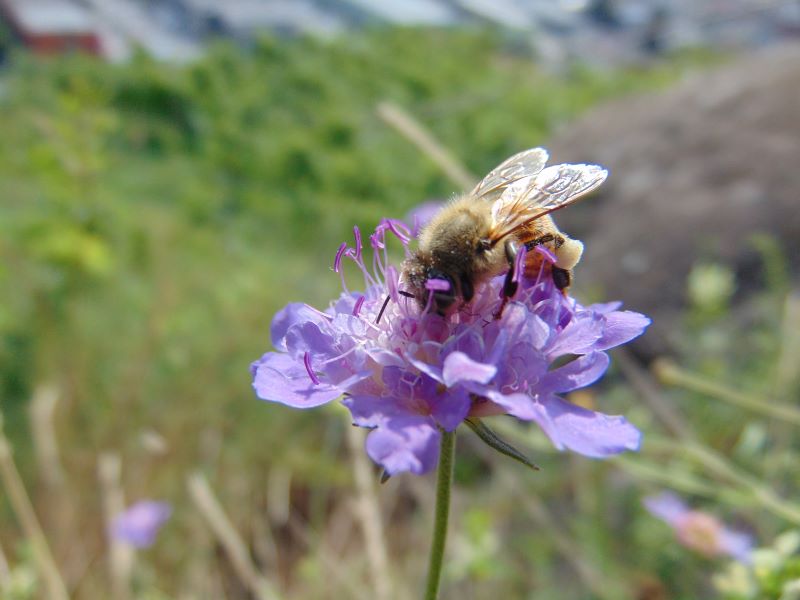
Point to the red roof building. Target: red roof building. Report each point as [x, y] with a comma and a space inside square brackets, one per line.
[51, 26]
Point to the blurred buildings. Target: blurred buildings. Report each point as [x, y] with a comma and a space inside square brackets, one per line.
[597, 31]
[50, 26]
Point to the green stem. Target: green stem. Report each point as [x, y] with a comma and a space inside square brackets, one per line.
[444, 482]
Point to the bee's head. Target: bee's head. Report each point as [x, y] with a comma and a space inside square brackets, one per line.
[432, 286]
[440, 290]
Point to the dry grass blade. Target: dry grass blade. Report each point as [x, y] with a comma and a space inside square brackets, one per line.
[120, 556]
[22, 507]
[671, 374]
[413, 131]
[42, 410]
[235, 548]
[369, 516]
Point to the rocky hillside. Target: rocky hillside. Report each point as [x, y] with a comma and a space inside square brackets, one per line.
[696, 171]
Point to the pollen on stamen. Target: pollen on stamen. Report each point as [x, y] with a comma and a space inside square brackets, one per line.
[337, 262]
[357, 307]
[307, 363]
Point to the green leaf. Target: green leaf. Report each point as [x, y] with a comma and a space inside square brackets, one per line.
[491, 439]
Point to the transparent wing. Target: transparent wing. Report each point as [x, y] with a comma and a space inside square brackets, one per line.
[525, 164]
[532, 197]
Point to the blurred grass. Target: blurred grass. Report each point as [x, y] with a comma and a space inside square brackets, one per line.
[155, 217]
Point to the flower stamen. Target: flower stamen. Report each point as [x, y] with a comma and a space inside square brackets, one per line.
[307, 363]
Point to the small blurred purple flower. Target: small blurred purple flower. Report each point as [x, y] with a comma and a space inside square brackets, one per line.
[140, 523]
[421, 214]
[698, 530]
[407, 374]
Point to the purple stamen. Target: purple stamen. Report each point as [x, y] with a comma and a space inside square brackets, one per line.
[357, 307]
[437, 285]
[307, 363]
[359, 246]
[391, 282]
[398, 229]
[519, 264]
[546, 253]
[337, 262]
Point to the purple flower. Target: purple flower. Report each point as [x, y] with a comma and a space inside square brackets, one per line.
[408, 373]
[698, 530]
[140, 523]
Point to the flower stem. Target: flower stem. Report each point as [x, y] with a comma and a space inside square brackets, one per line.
[444, 482]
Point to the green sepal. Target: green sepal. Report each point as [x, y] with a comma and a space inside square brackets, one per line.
[384, 476]
[491, 439]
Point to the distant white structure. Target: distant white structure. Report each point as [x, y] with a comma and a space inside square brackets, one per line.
[243, 18]
[130, 22]
[408, 12]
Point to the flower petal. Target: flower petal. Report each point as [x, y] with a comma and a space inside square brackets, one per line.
[405, 444]
[291, 314]
[371, 411]
[736, 544]
[518, 405]
[582, 371]
[451, 408]
[308, 337]
[281, 379]
[621, 326]
[460, 367]
[578, 337]
[666, 506]
[584, 431]
[140, 523]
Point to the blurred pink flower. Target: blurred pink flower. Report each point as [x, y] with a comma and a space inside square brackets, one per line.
[698, 530]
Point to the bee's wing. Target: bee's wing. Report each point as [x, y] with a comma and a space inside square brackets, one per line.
[524, 164]
[532, 197]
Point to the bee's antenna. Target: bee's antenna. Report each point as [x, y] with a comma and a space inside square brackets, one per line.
[383, 308]
[406, 294]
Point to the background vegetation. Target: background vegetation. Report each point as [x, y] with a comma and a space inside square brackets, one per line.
[153, 218]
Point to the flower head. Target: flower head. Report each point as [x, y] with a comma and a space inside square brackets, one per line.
[140, 523]
[408, 373]
[698, 530]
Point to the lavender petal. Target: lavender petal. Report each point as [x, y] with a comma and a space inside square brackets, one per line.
[405, 444]
[576, 374]
[583, 431]
[666, 506]
[460, 367]
[279, 378]
[621, 326]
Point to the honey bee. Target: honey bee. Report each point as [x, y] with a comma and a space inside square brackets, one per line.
[479, 235]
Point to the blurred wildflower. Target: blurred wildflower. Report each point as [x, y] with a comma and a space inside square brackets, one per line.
[408, 373]
[140, 523]
[698, 530]
[774, 572]
[421, 214]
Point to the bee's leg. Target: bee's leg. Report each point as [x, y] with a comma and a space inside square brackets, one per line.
[557, 240]
[561, 278]
[511, 283]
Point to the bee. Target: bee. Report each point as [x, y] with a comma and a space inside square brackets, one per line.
[480, 234]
